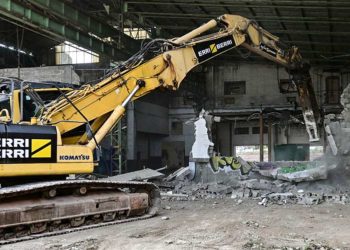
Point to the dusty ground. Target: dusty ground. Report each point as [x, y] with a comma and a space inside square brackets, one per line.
[216, 224]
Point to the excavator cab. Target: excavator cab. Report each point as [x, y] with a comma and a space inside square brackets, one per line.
[22, 100]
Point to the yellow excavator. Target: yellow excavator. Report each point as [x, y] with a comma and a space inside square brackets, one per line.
[63, 135]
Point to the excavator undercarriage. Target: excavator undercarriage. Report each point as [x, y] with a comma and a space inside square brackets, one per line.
[51, 208]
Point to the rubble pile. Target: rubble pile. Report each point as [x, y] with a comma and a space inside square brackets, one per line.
[269, 183]
[295, 171]
[211, 176]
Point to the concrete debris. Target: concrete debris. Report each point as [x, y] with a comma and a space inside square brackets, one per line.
[59, 73]
[180, 242]
[251, 223]
[219, 189]
[169, 242]
[271, 183]
[181, 175]
[311, 174]
[178, 197]
[165, 218]
[302, 199]
[257, 184]
[281, 198]
[295, 171]
[245, 166]
[267, 191]
[263, 202]
[140, 175]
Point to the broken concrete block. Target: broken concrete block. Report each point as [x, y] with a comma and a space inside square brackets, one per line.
[310, 199]
[237, 193]
[172, 196]
[282, 198]
[255, 193]
[268, 172]
[317, 173]
[245, 166]
[263, 202]
[249, 183]
[181, 175]
[219, 189]
[173, 175]
[257, 185]
[144, 174]
[169, 242]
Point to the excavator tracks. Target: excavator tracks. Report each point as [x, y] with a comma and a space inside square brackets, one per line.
[46, 209]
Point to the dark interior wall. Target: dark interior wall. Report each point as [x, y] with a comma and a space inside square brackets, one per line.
[9, 59]
[41, 47]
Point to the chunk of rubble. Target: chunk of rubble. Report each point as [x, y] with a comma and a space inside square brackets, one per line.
[219, 189]
[309, 198]
[174, 196]
[294, 171]
[140, 175]
[173, 175]
[278, 198]
[181, 175]
[257, 184]
[310, 174]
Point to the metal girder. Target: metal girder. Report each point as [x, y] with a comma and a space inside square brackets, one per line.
[289, 31]
[320, 60]
[253, 4]
[296, 19]
[84, 22]
[267, 19]
[17, 12]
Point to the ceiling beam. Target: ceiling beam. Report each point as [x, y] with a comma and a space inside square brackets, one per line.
[19, 13]
[302, 32]
[292, 19]
[73, 16]
[314, 5]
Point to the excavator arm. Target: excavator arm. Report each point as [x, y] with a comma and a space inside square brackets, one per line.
[164, 64]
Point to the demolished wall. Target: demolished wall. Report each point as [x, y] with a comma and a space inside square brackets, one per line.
[61, 73]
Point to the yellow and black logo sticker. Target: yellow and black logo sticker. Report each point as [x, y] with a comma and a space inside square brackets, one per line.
[207, 50]
[213, 48]
[41, 148]
[22, 150]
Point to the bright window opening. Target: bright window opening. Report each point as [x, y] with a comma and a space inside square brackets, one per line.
[251, 152]
[15, 49]
[316, 152]
[136, 33]
[69, 53]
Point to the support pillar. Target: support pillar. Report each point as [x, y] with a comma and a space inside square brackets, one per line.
[269, 141]
[261, 125]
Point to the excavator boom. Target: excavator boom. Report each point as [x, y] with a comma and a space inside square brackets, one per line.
[168, 68]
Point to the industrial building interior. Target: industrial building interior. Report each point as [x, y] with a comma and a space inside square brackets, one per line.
[249, 151]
